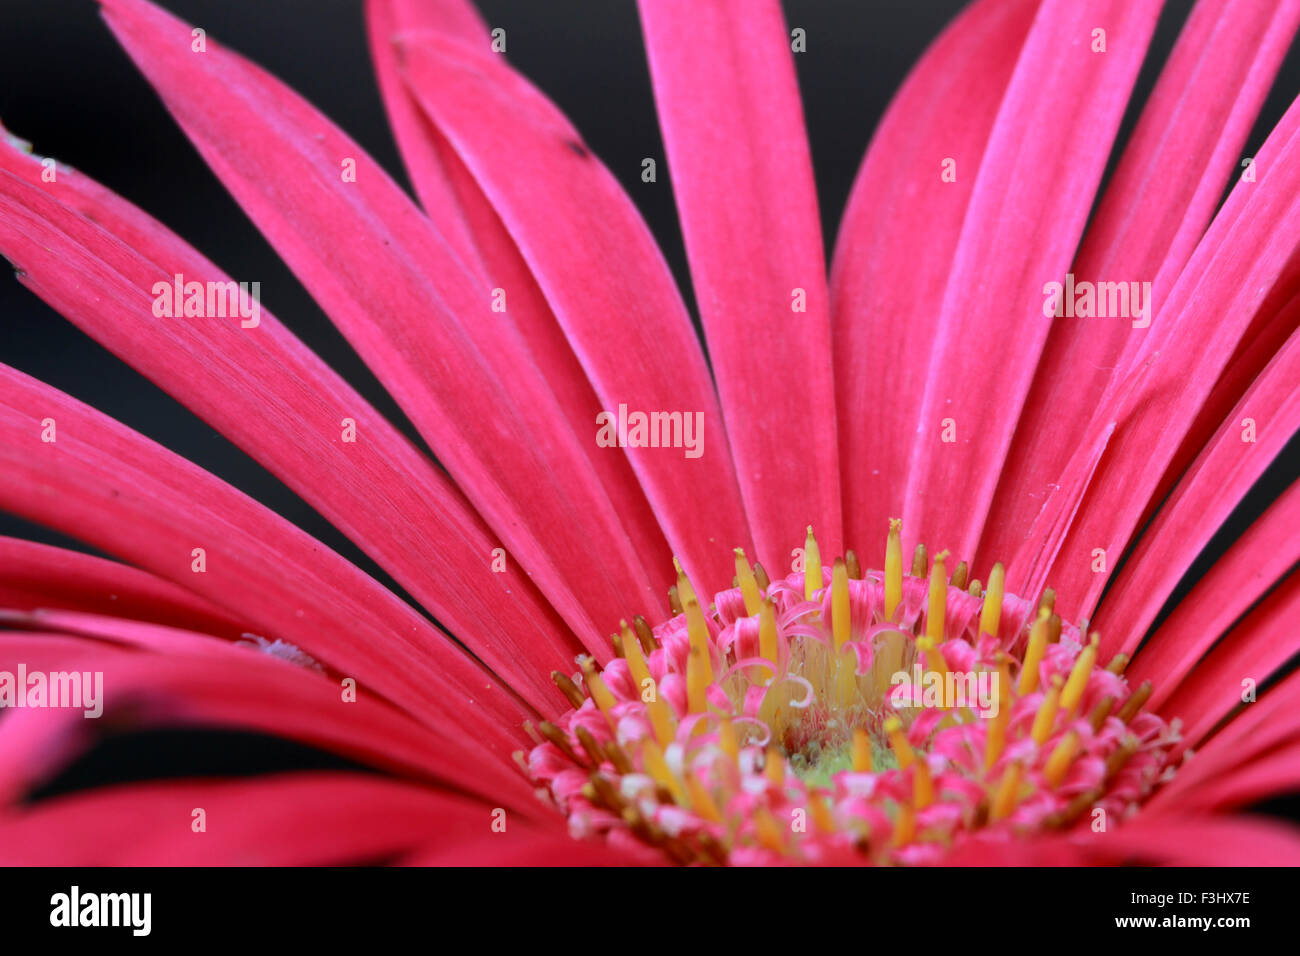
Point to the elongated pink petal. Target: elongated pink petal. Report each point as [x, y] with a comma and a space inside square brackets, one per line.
[422, 153]
[1026, 215]
[1254, 563]
[299, 819]
[41, 576]
[1194, 840]
[475, 232]
[106, 485]
[418, 315]
[97, 260]
[1251, 651]
[601, 273]
[1250, 254]
[1250, 759]
[895, 249]
[188, 680]
[1151, 216]
[1207, 494]
[734, 132]
[537, 850]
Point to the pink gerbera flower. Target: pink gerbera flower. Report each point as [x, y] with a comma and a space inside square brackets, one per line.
[1070, 415]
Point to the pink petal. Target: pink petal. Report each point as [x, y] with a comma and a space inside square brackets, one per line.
[734, 132]
[1252, 650]
[41, 576]
[888, 281]
[269, 394]
[601, 273]
[1254, 563]
[110, 487]
[299, 819]
[1207, 494]
[1027, 212]
[188, 680]
[1195, 841]
[1252, 758]
[418, 316]
[1154, 211]
[475, 232]
[1244, 262]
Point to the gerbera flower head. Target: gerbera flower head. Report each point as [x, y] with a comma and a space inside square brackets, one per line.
[632, 629]
[785, 725]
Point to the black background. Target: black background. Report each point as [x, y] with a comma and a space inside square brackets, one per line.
[66, 86]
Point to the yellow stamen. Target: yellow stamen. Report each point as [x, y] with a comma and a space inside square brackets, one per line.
[769, 831]
[904, 826]
[1059, 762]
[774, 767]
[658, 768]
[661, 721]
[748, 584]
[701, 800]
[1045, 719]
[600, 694]
[821, 813]
[1034, 653]
[861, 751]
[996, 738]
[1079, 674]
[922, 786]
[767, 642]
[1135, 702]
[697, 681]
[812, 566]
[934, 616]
[1008, 794]
[698, 630]
[919, 561]
[893, 568]
[685, 590]
[1117, 664]
[991, 614]
[727, 739]
[898, 742]
[840, 612]
[636, 664]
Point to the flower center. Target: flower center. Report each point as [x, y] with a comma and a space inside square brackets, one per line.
[837, 714]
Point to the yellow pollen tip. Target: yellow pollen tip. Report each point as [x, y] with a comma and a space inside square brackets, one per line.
[812, 566]
[749, 589]
[991, 614]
